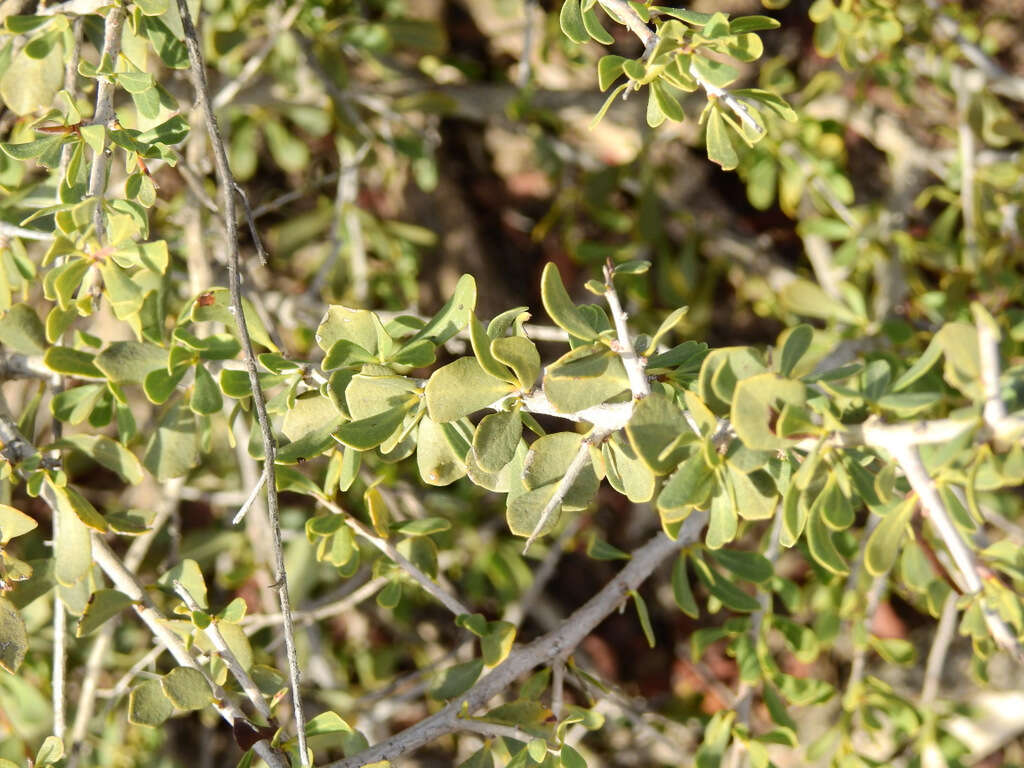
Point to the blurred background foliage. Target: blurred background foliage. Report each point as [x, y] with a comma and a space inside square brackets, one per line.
[389, 146]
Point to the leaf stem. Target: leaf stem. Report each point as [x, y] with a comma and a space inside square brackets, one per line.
[228, 189]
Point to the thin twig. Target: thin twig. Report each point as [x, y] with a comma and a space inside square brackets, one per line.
[252, 65]
[346, 215]
[449, 601]
[541, 651]
[170, 493]
[557, 687]
[12, 230]
[745, 691]
[633, 363]
[250, 499]
[572, 472]
[125, 581]
[337, 607]
[484, 728]
[859, 664]
[994, 410]
[516, 612]
[261, 250]
[943, 638]
[212, 631]
[524, 71]
[58, 674]
[966, 84]
[103, 115]
[227, 184]
[939, 517]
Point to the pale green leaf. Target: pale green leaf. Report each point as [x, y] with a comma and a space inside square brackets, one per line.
[186, 688]
[461, 388]
[148, 704]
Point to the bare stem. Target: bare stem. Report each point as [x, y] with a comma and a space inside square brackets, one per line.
[104, 114]
[543, 650]
[937, 655]
[228, 186]
[234, 665]
[939, 517]
[125, 581]
[630, 360]
[449, 601]
[577, 465]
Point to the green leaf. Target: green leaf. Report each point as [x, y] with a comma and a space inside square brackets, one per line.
[583, 377]
[130, 361]
[961, 370]
[655, 430]
[497, 643]
[520, 354]
[461, 388]
[453, 316]
[50, 752]
[186, 688]
[715, 72]
[311, 413]
[644, 616]
[571, 758]
[655, 116]
[13, 637]
[750, 566]
[681, 590]
[921, 366]
[481, 340]
[560, 307]
[803, 297]
[745, 24]
[482, 758]
[626, 472]
[570, 19]
[20, 25]
[594, 27]
[14, 522]
[524, 512]
[72, 362]
[548, 461]
[148, 704]
[496, 439]
[173, 449]
[457, 679]
[103, 605]
[754, 500]
[667, 103]
[22, 331]
[368, 433]
[599, 549]
[823, 549]
[894, 650]
[160, 383]
[190, 575]
[73, 545]
[689, 487]
[723, 520]
[31, 83]
[436, 460]
[667, 325]
[883, 546]
[609, 69]
[798, 341]
[720, 146]
[353, 330]
[107, 452]
[607, 104]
